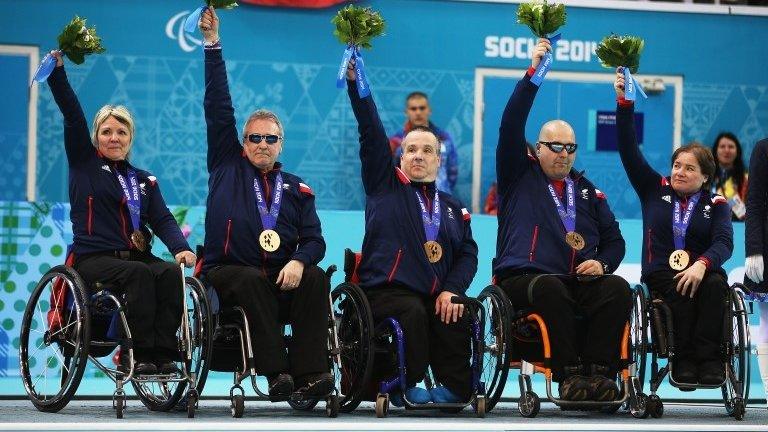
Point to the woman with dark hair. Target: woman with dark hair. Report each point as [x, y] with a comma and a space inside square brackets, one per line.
[687, 237]
[730, 176]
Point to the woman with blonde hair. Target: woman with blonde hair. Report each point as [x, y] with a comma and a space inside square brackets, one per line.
[113, 207]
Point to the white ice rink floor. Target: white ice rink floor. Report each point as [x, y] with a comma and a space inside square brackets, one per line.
[213, 415]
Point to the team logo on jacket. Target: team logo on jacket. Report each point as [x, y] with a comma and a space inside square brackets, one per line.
[585, 194]
[450, 213]
[143, 187]
[667, 198]
[106, 168]
[707, 211]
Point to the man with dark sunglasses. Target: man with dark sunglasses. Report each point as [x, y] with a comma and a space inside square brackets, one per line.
[557, 243]
[263, 238]
[418, 113]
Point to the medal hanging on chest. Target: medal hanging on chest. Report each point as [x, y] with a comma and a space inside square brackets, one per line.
[679, 258]
[132, 194]
[432, 248]
[567, 214]
[269, 239]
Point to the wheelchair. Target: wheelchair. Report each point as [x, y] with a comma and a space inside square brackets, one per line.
[232, 351]
[363, 344]
[735, 351]
[64, 326]
[528, 338]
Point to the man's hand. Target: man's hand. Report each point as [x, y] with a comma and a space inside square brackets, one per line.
[57, 55]
[538, 53]
[618, 85]
[448, 311]
[209, 25]
[690, 278]
[590, 268]
[186, 257]
[351, 75]
[290, 276]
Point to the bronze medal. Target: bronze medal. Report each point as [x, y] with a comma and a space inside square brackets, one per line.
[679, 260]
[269, 240]
[575, 240]
[434, 251]
[138, 240]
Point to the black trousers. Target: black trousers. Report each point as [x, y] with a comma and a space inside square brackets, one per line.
[153, 291]
[698, 321]
[428, 341]
[268, 309]
[603, 303]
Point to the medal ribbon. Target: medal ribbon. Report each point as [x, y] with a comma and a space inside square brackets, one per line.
[361, 80]
[431, 224]
[269, 217]
[631, 86]
[132, 195]
[680, 222]
[545, 64]
[567, 213]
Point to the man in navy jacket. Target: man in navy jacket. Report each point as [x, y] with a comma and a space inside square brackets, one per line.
[557, 239]
[417, 253]
[262, 237]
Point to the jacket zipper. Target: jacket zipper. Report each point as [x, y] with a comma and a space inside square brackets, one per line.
[226, 241]
[394, 267]
[532, 253]
[90, 215]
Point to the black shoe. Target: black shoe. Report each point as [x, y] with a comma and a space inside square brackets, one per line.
[141, 365]
[573, 387]
[280, 387]
[316, 385]
[167, 367]
[601, 386]
[685, 372]
[711, 373]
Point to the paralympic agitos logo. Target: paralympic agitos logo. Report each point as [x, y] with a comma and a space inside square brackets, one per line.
[174, 29]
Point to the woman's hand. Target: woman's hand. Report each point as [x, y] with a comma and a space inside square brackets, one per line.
[690, 278]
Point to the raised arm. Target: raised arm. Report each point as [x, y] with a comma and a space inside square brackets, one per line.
[375, 157]
[77, 140]
[223, 141]
[639, 171]
[757, 200]
[511, 151]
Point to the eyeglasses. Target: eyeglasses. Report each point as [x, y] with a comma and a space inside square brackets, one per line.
[557, 147]
[417, 108]
[270, 139]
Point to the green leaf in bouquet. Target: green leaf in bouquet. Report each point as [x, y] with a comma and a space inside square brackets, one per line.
[541, 17]
[358, 26]
[221, 4]
[614, 51]
[76, 41]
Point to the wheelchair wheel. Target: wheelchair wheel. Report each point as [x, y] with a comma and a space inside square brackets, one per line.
[165, 395]
[497, 346]
[354, 326]
[303, 404]
[55, 336]
[638, 334]
[735, 390]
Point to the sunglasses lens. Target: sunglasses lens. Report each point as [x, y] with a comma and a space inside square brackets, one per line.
[254, 138]
[271, 139]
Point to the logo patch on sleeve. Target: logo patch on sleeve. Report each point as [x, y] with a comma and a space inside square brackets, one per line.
[465, 214]
[303, 188]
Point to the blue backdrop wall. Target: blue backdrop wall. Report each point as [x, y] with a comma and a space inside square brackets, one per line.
[286, 59]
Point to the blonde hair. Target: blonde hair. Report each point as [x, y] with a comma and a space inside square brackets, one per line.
[120, 113]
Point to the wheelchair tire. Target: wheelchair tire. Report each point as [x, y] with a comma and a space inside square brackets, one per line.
[237, 406]
[163, 396]
[529, 404]
[332, 406]
[382, 405]
[737, 382]
[119, 406]
[66, 347]
[638, 334]
[354, 323]
[639, 409]
[191, 403]
[497, 344]
[480, 406]
[655, 406]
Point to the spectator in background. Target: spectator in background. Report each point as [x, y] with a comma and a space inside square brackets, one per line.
[417, 112]
[730, 176]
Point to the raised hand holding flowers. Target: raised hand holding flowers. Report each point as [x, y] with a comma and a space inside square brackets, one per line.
[75, 41]
[623, 51]
[543, 19]
[356, 27]
[190, 24]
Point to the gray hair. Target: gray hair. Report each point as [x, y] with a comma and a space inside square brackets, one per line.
[263, 114]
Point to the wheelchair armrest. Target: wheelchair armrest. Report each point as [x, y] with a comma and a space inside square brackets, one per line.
[331, 270]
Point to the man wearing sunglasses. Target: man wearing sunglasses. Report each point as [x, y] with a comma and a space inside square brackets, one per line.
[418, 252]
[418, 112]
[263, 238]
[557, 241]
